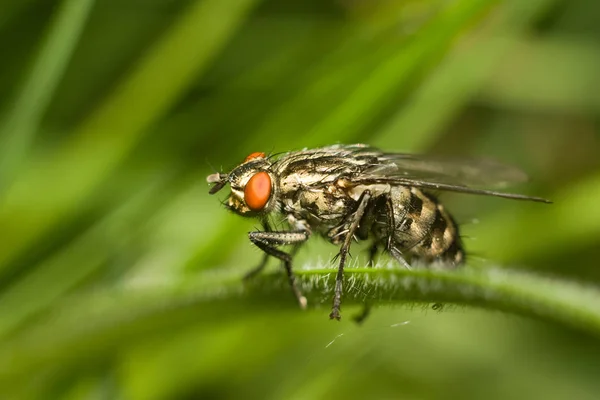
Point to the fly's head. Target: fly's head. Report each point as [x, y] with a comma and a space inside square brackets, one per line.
[253, 186]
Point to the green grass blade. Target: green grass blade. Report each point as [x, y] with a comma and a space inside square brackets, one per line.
[56, 185]
[23, 121]
[112, 316]
[90, 251]
[378, 87]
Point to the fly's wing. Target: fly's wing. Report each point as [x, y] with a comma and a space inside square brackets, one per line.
[462, 172]
[435, 173]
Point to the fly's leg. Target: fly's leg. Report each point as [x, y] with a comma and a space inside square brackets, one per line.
[397, 254]
[360, 211]
[263, 263]
[268, 242]
[265, 259]
[372, 254]
[389, 207]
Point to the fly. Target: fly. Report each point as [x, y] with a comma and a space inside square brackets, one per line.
[356, 192]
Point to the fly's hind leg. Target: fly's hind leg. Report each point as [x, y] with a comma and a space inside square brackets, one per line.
[268, 242]
[354, 222]
[399, 257]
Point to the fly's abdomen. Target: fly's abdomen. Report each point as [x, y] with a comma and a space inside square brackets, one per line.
[423, 229]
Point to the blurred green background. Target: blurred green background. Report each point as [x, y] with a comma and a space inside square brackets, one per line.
[119, 274]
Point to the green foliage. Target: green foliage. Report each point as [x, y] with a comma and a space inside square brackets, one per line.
[120, 275]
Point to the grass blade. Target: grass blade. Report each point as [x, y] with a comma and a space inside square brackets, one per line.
[23, 121]
[54, 186]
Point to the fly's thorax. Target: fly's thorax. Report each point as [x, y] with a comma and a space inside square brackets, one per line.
[292, 181]
[322, 208]
[254, 187]
[317, 168]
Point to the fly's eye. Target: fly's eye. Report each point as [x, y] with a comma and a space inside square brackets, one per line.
[254, 155]
[258, 191]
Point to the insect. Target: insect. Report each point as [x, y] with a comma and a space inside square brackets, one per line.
[356, 192]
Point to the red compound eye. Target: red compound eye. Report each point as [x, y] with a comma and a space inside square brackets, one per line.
[258, 191]
[254, 155]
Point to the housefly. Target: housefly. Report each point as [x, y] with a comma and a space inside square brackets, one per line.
[356, 192]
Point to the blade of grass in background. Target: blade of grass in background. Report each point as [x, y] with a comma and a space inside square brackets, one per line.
[22, 122]
[11, 8]
[89, 252]
[459, 77]
[378, 87]
[568, 82]
[52, 187]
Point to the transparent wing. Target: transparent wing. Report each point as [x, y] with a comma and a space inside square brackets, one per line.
[461, 172]
[475, 176]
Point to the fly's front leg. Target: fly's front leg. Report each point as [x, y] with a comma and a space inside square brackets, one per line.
[268, 242]
[263, 263]
[355, 221]
[265, 259]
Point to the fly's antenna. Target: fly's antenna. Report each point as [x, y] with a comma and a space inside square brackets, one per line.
[219, 179]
